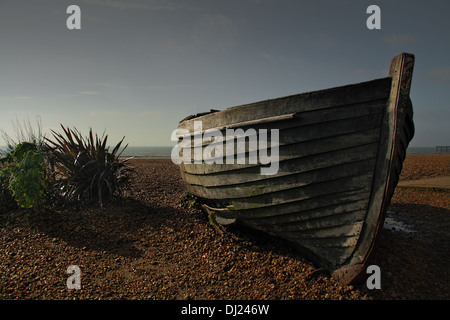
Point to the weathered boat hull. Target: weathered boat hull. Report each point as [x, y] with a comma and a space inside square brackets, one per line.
[340, 155]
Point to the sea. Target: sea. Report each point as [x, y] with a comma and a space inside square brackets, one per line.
[147, 152]
[152, 152]
[136, 152]
[164, 152]
[426, 150]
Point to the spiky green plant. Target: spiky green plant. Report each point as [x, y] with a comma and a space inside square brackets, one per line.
[84, 168]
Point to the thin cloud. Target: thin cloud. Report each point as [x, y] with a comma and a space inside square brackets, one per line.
[15, 98]
[174, 87]
[111, 85]
[89, 93]
[141, 5]
[103, 114]
[399, 40]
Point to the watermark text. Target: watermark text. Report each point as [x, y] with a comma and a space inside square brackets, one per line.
[212, 147]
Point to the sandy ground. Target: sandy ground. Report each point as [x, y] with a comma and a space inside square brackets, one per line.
[147, 247]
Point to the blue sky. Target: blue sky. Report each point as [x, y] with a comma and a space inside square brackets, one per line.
[138, 67]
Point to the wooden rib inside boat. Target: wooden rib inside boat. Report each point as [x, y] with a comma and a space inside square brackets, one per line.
[340, 153]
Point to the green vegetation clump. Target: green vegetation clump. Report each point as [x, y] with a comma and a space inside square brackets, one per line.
[24, 175]
[37, 172]
[189, 201]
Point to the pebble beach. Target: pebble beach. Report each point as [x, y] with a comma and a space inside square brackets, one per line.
[147, 247]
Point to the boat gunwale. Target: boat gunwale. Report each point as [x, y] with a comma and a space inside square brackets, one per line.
[305, 95]
[291, 116]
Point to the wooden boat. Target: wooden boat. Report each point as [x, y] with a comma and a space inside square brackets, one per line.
[340, 155]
